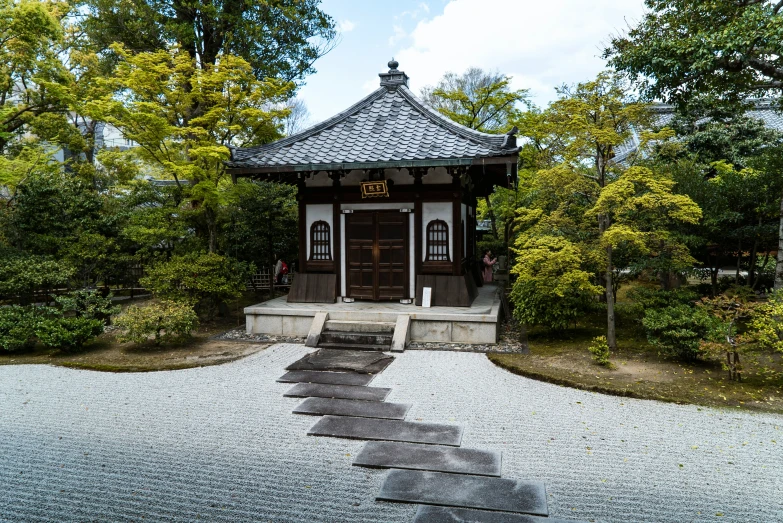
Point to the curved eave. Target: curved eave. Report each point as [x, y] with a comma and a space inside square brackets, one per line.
[510, 156]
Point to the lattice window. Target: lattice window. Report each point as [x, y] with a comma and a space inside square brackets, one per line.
[320, 241]
[437, 241]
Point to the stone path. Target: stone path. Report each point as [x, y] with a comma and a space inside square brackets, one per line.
[426, 468]
[221, 444]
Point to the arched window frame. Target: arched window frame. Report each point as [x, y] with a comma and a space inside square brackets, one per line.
[438, 241]
[320, 241]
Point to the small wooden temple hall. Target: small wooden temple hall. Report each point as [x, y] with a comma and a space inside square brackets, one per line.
[387, 193]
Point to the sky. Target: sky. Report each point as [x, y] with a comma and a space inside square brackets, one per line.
[541, 45]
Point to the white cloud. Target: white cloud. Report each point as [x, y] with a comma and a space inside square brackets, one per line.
[346, 26]
[399, 34]
[541, 44]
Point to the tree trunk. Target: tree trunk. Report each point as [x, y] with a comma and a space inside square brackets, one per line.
[611, 338]
[779, 265]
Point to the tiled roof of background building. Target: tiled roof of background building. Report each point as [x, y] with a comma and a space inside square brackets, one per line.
[763, 110]
[389, 125]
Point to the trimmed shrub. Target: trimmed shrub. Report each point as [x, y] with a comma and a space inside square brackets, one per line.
[17, 328]
[767, 322]
[166, 321]
[205, 280]
[679, 330]
[599, 348]
[88, 304]
[67, 334]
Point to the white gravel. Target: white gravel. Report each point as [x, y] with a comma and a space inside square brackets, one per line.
[220, 444]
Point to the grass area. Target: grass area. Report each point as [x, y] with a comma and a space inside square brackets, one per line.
[107, 354]
[640, 372]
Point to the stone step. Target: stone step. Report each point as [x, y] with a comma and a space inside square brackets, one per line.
[386, 454]
[354, 408]
[387, 430]
[431, 514]
[354, 346]
[321, 390]
[332, 378]
[364, 362]
[356, 338]
[359, 326]
[460, 490]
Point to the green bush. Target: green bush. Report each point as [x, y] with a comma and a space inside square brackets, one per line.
[21, 274]
[497, 246]
[88, 304]
[679, 330]
[599, 348]
[648, 298]
[17, 328]
[205, 280]
[67, 334]
[166, 320]
[767, 322]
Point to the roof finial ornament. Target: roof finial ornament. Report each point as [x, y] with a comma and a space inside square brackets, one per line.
[393, 64]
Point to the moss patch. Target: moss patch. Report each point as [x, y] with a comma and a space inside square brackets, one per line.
[640, 372]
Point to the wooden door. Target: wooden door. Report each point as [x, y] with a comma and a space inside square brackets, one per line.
[377, 255]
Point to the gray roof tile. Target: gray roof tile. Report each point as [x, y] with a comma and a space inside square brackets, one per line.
[388, 125]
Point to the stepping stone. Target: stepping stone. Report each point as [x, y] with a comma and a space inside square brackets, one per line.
[363, 362]
[320, 390]
[384, 454]
[358, 409]
[332, 378]
[459, 490]
[387, 430]
[430, 514]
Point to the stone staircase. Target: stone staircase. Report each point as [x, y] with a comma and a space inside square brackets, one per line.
[359, 335]
[356, 335]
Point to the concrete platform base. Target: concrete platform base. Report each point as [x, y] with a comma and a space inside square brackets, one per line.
[477, 324]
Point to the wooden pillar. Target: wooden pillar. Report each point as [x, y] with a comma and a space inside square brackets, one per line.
[337, 233]
[418, 173]
[302, 228]
[456, 221]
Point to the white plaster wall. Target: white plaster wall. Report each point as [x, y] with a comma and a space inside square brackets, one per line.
[465, 230]
[314, 213]
[437, 175]
[437, 211]
[319, 179]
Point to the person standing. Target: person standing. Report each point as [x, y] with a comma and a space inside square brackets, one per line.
[489, 261]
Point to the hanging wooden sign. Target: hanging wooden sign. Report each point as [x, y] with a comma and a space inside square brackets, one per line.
[374, 189]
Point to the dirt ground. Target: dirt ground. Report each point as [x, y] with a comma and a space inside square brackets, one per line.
[640, 372]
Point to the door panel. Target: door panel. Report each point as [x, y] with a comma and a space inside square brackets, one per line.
[360, 238]
[377, 261]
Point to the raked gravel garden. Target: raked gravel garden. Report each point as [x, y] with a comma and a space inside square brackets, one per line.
[220, 443]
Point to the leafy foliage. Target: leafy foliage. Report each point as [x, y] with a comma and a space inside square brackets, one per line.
[679, 330]
[551, 288]
[280, 39]
[768, 322]
[22, 274]
[17, 328]
[722, 51]
[203, 280]
[600, 351]
[166, 321]
[67, 333]
[88, 304]
[477, 99]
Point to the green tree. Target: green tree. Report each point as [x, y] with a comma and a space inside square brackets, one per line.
[600, 207]
[480, 100]
[277, 38]
[184, 118]
[710, 58]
